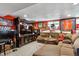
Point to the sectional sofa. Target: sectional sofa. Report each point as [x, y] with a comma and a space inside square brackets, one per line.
[64, 48]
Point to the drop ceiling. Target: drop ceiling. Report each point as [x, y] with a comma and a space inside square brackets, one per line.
[40, 11]
[8, 8]
[45, 11]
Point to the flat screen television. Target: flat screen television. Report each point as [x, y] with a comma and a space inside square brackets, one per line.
[68, 24]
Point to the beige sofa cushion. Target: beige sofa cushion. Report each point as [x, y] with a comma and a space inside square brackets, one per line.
[69, 35]
[54, 50]
[55, 35]
[65, 45]
[45, 34]
[67, 51]
[51, 39]
[42, 38]
[48, 50]
[39, 37]
[72, 36]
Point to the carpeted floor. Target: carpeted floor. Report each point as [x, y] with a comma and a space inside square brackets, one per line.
[27, 50]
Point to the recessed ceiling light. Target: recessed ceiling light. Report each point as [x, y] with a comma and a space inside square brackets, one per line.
[69, 15]
[25, 15]
[75, 3]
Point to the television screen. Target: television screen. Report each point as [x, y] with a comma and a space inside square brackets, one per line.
[68, 24]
